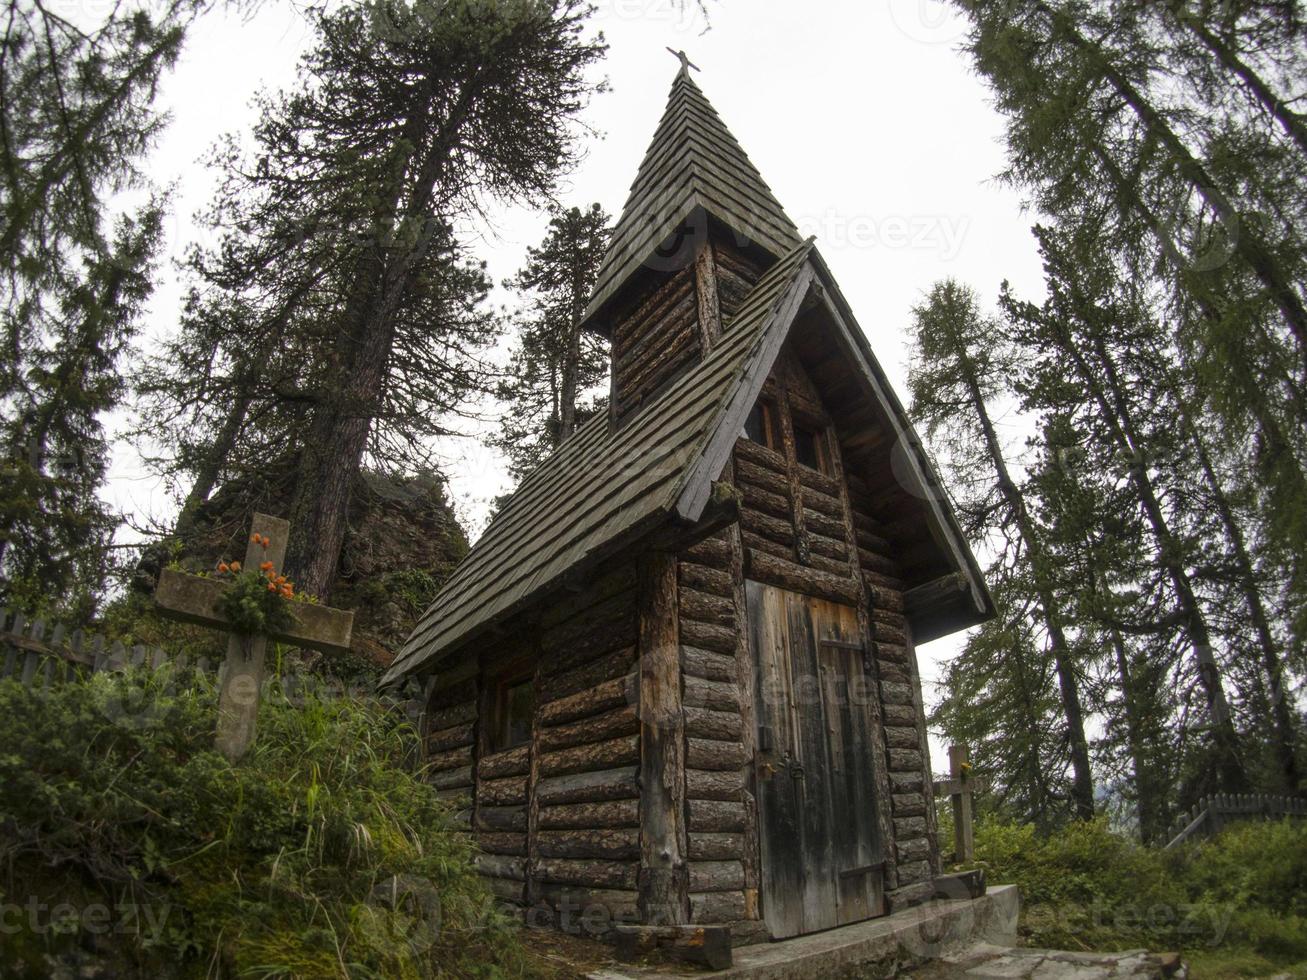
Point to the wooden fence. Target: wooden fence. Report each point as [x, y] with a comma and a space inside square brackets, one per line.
[39, 655]
[1212, 813]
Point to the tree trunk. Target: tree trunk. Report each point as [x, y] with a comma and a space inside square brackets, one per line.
[1282, 718]
[1245, 242]
[338, 435]
[206, 476]
[1082, 775]
[572, 360]
[1147, 791]
[1117, 416]
[567, 395]
[1230, 61]
[1034, 772]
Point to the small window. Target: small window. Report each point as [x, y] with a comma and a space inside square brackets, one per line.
[760, 427]
[512, 711]
[809, 446]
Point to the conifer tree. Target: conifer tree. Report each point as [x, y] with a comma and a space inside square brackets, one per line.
[1000, 698]
[358, 321]
[1199, 188]
[1109, 586]
[960, 363]
[554, 361]
[1098, 347]
[76, 117]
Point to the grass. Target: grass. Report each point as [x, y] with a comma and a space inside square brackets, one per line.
[127, 843]
[1235, 905]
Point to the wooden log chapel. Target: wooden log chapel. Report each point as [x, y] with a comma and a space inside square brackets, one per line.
[675, 679]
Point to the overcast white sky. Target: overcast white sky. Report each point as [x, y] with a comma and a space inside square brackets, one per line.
[862, 115]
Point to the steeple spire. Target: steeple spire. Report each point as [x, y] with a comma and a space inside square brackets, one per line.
[694, 171]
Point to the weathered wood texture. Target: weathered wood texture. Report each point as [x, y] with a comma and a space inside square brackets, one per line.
[916, 853]
[693, 158]
[718, 724]
[1211, 813]
[663, 724]
[647, 680]
[820, 837]
[561, 810]
[607, 486]
[816, 533]
[736, 275]
[654, 341]
[585, 797]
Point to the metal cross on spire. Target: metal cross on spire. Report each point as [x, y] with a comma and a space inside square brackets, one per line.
[686, 63]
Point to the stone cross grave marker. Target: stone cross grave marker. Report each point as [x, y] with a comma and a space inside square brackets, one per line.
[960, 786]
[195, 599]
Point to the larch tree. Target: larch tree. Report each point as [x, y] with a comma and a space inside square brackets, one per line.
[554, 361]
[76, 118]
[960, 364]
[1199, 188]
[358, 323]
[1081, 342]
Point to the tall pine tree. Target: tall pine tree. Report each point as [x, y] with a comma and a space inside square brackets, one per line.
[960, 364]
[357, 321]
[76, 117]
[554, 361]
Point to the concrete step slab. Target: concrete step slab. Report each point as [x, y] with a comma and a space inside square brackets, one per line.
[881, 947]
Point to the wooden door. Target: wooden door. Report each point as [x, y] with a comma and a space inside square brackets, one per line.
[821, 856]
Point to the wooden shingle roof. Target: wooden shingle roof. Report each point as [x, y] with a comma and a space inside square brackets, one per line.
[606, 486]
[694, 164]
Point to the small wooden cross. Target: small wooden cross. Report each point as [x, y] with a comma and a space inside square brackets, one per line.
[686, 63]
[195, 599]
[960, 787]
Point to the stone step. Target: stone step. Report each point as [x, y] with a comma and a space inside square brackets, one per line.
[877, 947]
[988, 962]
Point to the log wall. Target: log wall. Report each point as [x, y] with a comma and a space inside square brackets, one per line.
[815, 533]
[668, 328]
[563, 825]
[736, 274]
[717, 692]
[916, 855]
[654, 342]
[557, 819]
[585, 839]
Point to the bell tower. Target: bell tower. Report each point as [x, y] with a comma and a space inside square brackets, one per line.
[699, 228]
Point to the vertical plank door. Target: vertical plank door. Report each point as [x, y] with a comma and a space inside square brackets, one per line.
[821, 859]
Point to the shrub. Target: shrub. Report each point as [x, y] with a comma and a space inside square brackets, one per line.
[320, 855]
[1086, 887]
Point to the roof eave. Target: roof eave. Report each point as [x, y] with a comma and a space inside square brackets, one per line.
[972, 605]
[651, 523]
